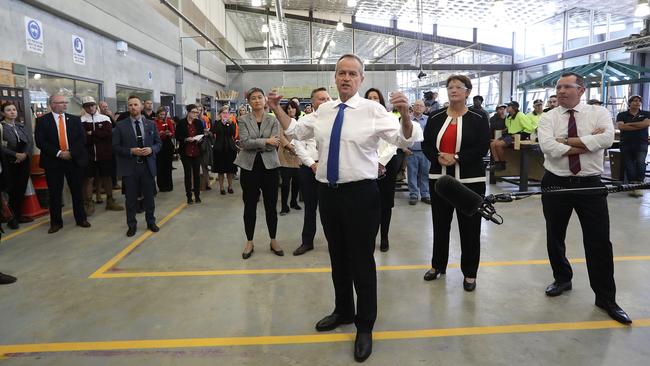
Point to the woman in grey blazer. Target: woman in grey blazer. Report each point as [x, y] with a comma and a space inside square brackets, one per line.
[17, 146]
[258, 160]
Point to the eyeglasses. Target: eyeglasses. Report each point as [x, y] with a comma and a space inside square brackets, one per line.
[456, 88]
[567, 86]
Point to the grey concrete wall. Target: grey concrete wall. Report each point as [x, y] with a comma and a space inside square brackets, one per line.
[103, 63]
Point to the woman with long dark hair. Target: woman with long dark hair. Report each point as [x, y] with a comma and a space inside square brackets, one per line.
[17, 146]
[189, 131]
[456, 139]
[166, 154]
[390, 160]
[258, 160]
[289, 164]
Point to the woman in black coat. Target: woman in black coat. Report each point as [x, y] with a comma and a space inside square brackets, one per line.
[456, 139]
[190, 151]
[224, 149]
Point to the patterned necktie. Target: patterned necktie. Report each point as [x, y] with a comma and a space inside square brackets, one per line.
[63, 143]
[138, 134]
[574, 160]
[335, 144]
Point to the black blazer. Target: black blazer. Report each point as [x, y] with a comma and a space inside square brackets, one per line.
[124, 140]
[472, 144]
[182, 132]
[46, 136]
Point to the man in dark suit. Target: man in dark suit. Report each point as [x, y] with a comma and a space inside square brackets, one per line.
[5, 279]
[135, 144]
[62, 141]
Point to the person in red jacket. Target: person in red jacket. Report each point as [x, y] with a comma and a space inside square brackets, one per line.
[99, 135]
[166, 155]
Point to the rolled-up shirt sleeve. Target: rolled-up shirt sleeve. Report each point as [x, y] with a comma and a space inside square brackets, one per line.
[303, 129]
[547, 138]
[602, 140]
[389, 129]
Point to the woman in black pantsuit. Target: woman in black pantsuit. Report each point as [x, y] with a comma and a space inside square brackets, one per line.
[387, 176]
[190, 151]
[17, 146]
[455, 141]
[258, 160]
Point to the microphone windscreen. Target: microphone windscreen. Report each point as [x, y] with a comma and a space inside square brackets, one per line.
[456, 194]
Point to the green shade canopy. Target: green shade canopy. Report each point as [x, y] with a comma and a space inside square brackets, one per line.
[611, 72]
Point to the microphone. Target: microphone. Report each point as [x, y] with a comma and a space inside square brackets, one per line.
[465, 200]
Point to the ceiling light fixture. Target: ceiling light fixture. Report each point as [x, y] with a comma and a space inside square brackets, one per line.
[339, 26]
[642, 9]
[265, 28]
[256, 2]
[442, 3]
[352, 3]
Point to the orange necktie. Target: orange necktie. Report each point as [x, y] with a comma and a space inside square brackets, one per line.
[63, 143]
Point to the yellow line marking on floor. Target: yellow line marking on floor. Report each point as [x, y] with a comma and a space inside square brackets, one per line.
[126, 251]
[30, 227]
[8, 350]
[230, 272]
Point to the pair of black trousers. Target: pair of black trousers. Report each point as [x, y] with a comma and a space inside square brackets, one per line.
[140, 182]
[192, 174]
[19, 174]
[289, 182]
[350, 217]
[594, 220]
[469, 228]
[309, 189]
[54, 177]
[252, 183]
[164, 166]
[387, 191]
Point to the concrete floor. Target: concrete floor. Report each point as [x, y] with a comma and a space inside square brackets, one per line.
[187, 291]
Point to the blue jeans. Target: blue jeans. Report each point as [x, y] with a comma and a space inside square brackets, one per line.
[633, 156]
[417, 166]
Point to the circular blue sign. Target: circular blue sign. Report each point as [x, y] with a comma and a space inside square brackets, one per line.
[78, 45]
[34, 29]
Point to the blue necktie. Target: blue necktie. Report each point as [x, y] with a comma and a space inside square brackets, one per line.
[335, 145]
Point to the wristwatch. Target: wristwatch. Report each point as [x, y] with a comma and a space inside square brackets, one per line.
[456, 157]
[566, 140]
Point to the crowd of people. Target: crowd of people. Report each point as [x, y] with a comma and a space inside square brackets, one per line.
[344, 156]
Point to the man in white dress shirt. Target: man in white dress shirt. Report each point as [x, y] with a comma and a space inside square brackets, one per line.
[572, 137]
[347, 133]
[308, 154]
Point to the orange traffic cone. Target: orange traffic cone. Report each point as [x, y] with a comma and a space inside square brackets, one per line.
[31, 207]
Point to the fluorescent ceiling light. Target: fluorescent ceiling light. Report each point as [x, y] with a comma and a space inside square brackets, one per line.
[352, 3]
[642, 9]
[265, 28]
[256, 2]
[339, 26]
[442, 3]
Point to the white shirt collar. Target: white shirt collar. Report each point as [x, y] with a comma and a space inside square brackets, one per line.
[351, 103]
[578, 108]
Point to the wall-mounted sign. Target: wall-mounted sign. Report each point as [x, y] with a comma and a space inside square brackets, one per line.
[78, 50]
[34, 35]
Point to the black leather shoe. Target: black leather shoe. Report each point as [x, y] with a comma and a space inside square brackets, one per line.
[469, 287]
[302, 250]
[245, 255]
[426, 200]
[6, 279]
[13, 224]
[362, 346]
[54, 228]
[557, 288]
[197, 200]
[331, 322]
[431, 275]
[83, 224]
[614, 311]
[190, 201]
[279, 253]
[284, 211]
[131, 231]
[25, 219]
[153, 227]
[295, 206]
[384, 245]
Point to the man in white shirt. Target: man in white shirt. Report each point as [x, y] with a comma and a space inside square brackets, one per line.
[572, 137]
[347, 133]
[308, 154]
